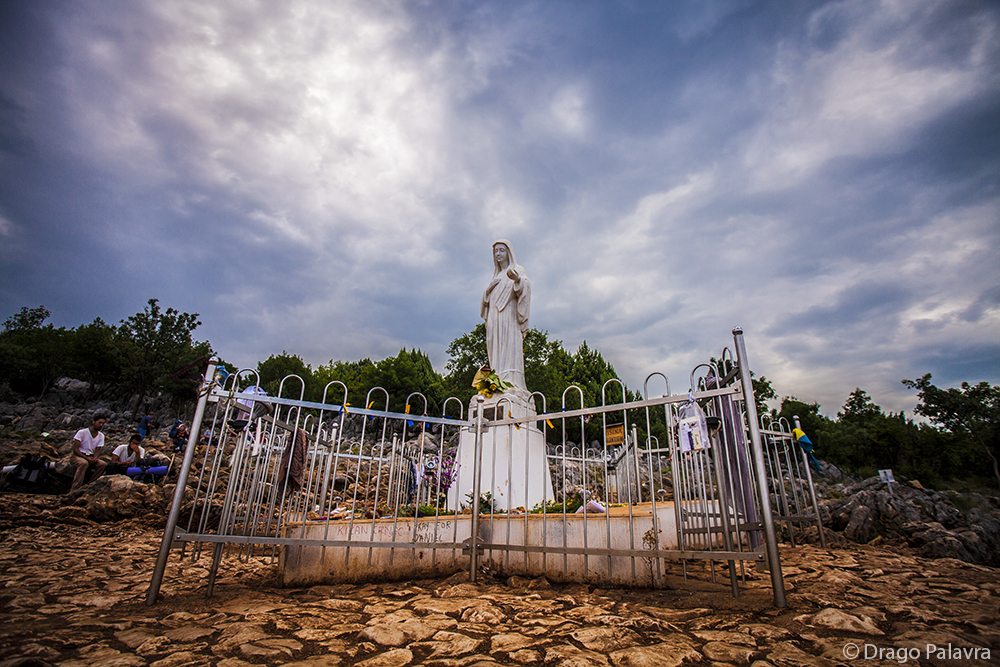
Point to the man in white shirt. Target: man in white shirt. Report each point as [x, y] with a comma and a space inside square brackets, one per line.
[86, 456]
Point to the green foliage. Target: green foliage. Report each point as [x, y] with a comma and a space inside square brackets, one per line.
[861, 440]
[972, 412]
[154, 350]
[95, 357]
[466, 355]
[424, 510]
[860, 410]
[27, 319]
[143, 354]
[278, 366]
[547, 367]
[762, 392]
[411, 371]
[864, 439]
[973, 409]
[356, 375]
[154, 344]
[589, 372]
[808, 413]
[569, 506]
[33, 355]
[548, 370]
[408, 372]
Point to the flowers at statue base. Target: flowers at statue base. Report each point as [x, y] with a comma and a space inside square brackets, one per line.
[488, 382]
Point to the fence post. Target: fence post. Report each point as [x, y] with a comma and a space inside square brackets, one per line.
[635, 458]
[175, 508]
[812, 489]
[476, 489]
[770, 536]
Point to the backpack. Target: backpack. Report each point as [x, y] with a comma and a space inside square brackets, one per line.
[31, 472]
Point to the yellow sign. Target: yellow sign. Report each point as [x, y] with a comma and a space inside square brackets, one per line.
[614, 434]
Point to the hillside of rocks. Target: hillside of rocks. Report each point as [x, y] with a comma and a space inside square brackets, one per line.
[937, 524]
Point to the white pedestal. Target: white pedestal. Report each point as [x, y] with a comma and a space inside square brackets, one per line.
[515, 470]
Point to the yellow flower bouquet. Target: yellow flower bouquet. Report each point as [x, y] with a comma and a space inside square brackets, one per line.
[488, 383]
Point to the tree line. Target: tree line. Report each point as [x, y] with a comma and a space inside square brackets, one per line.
[150, 352]
[959, 444]
[155, 351]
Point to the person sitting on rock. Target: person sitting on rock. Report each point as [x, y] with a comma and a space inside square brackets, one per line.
[127, 456]
[87, 445]
[180, 438]
[146, 426]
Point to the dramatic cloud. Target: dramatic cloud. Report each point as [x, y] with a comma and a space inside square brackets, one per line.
[327, 177]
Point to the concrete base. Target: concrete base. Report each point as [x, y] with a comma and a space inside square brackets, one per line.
[343, 564]
[515, 469]
[616, 530]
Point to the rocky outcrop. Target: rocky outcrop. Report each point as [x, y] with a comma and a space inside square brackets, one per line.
[69, 404]
[117, 497]
[927, 520]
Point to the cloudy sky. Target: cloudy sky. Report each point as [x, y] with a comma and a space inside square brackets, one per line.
[327, 177]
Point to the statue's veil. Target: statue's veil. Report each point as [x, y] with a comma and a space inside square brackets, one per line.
[510, 254]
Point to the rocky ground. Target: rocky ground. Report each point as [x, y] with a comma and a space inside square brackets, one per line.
[74, 594]
[907, 568]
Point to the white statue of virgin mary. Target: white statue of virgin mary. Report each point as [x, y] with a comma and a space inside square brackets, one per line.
[512, 464]
[505, 307]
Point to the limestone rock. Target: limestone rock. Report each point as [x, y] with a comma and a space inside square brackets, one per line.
[449, 644]
[397, 657]
[383, 635]
[727, 637]
[764, 631]
[526, 656]
[835, 619]
[787, 655]
[485, 614]
[179, 659]
[507, 643]
[860, 527]
[671, 653]
[570, 656]
[606, 639]
[731, 653]
[927, 519]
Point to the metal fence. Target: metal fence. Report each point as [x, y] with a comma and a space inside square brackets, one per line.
[348, 489]
[793, 494]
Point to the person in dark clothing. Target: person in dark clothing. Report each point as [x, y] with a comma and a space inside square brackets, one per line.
[179, 437]
[145, 426]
